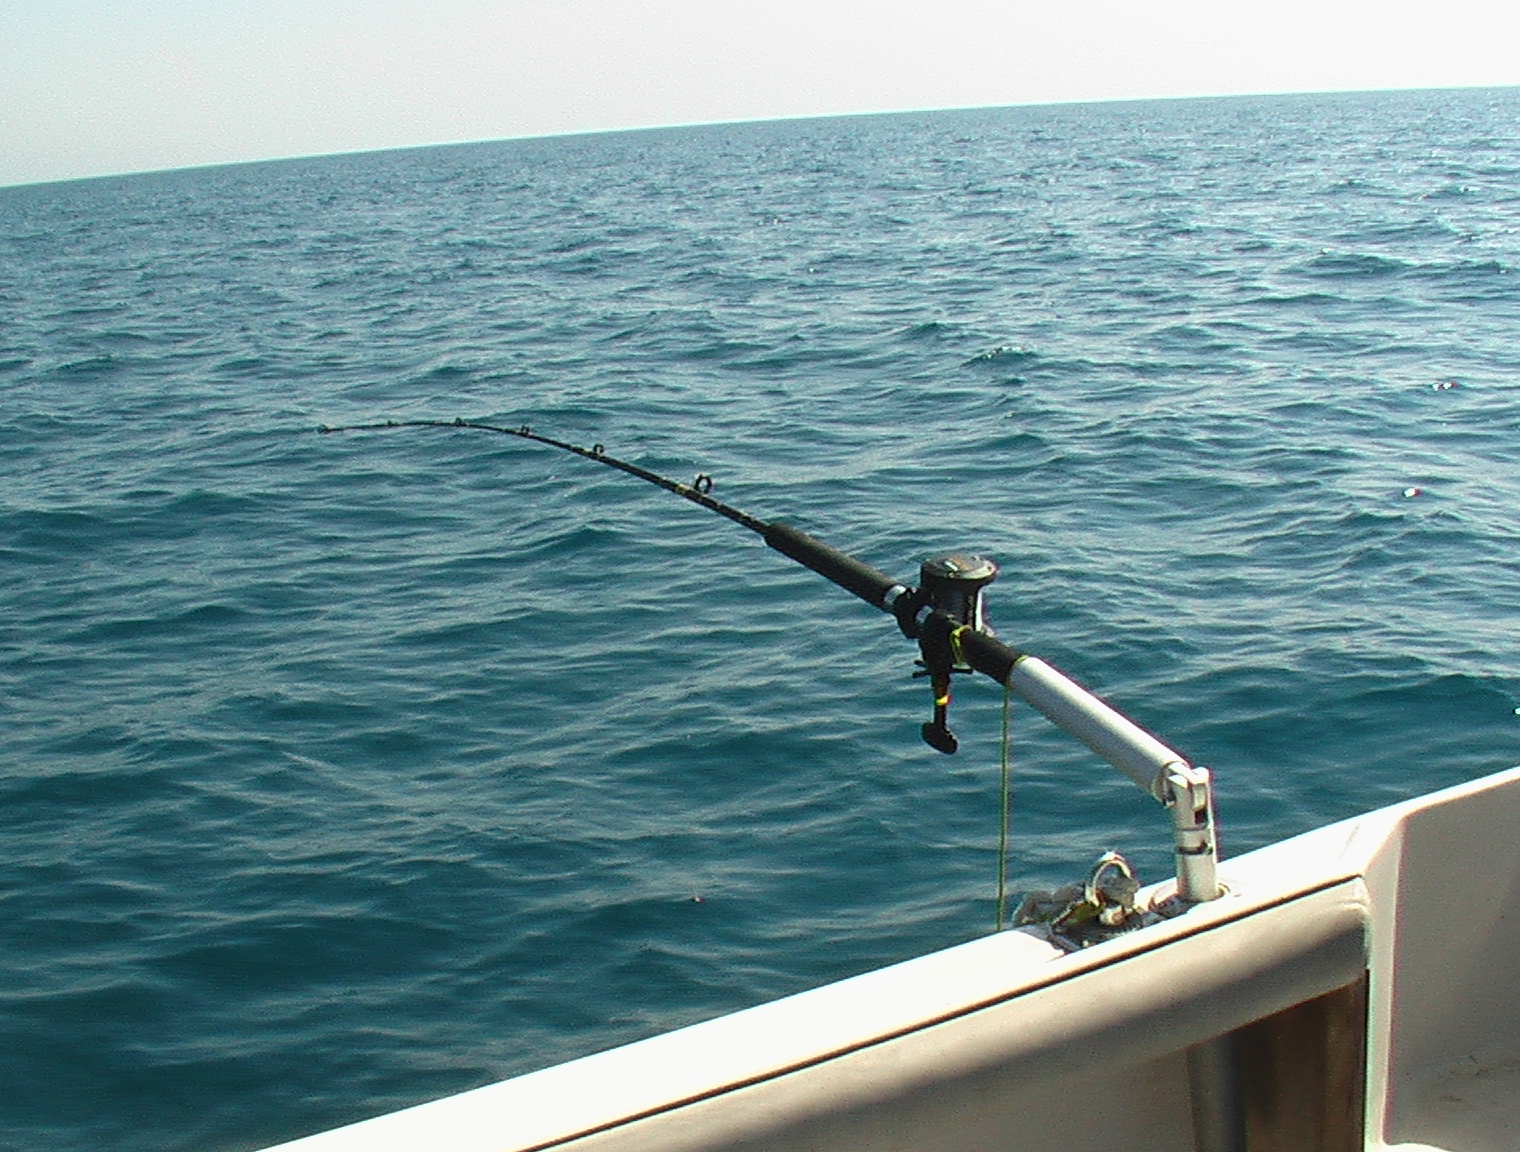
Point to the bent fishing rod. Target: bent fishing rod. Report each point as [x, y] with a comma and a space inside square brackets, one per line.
[945, 615]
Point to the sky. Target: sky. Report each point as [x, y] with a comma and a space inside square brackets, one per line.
[95, 87]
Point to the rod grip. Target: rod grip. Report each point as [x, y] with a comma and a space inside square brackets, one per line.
[843, 569]
[989, 655]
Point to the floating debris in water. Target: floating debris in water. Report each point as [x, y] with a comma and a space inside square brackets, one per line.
[1411, 493]
[1005, 352]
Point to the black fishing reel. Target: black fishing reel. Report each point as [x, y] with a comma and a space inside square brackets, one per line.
[948, 601]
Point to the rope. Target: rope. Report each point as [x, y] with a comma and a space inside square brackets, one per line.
[1004, 810]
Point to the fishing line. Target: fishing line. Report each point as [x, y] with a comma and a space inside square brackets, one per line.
[1005, 804]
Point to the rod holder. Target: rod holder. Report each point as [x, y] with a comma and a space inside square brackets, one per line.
[1105, 730]
[1156, 769]
[1193, 832]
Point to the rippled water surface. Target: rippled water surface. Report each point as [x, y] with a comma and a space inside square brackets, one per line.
[343, 772]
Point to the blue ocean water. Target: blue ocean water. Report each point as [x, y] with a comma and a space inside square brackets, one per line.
[342, 772]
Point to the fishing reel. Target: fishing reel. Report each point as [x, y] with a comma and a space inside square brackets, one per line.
[947, 602]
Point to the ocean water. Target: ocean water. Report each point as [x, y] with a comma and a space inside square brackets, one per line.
[342, 772]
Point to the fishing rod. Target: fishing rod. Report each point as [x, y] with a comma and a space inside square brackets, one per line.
[945, 615]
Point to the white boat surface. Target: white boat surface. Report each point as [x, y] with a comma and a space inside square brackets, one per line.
[1355, 987]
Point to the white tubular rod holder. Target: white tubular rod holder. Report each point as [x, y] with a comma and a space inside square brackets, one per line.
[1155, 768]
[1076, 711]
[1193, 833]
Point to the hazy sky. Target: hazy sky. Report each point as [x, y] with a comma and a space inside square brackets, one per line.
[89, 87]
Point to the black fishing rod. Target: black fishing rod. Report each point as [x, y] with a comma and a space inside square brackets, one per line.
[944, 614]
